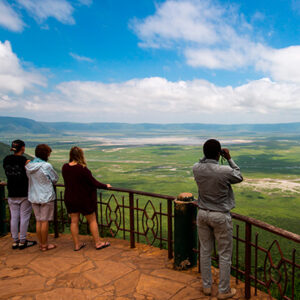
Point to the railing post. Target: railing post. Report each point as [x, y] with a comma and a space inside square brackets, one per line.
[248, 261]
[3, 227]
[56, 234]
[170, 229]
[131, 211]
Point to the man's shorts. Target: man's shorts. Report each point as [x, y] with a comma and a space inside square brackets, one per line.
[43, 212]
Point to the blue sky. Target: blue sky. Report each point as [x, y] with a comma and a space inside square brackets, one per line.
[134, 61]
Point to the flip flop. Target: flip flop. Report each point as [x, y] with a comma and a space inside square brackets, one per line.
[48, 247]
[80, 247]
[105, 245]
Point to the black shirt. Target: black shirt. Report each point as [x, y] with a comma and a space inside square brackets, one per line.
[17, 181]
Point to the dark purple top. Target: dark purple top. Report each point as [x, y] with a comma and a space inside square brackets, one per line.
[80, 189]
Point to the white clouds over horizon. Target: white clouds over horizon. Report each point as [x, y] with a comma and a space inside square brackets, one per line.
[215, 37]
[152, 99]
[156, 99]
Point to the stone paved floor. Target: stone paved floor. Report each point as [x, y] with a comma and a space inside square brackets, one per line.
[117, 272]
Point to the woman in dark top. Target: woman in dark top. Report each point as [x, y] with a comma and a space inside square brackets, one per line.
[81, 196]
[17, 185]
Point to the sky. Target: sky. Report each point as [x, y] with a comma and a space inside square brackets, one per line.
[162, 61]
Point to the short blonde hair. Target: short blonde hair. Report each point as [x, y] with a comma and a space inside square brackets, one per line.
[77, 155]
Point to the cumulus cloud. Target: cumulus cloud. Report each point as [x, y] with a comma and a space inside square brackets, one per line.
[13, 77]
[215, 36]
[9, 18]
[156, 99]
[80, 58]
[61, 10]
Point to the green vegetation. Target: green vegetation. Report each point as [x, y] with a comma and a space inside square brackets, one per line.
[270, 165]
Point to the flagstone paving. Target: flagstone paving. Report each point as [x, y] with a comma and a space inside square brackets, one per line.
[117, 272]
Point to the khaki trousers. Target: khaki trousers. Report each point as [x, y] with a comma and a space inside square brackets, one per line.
[215, 226]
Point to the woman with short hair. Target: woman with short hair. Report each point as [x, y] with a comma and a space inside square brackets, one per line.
[81, 197]
[41, 193]
[17, 185]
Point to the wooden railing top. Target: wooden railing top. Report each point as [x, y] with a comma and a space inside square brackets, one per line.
[257, 223]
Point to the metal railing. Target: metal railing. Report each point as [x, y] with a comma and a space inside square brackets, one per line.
[139, 217]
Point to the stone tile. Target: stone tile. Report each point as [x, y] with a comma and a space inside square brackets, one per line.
[85, 266]
[22, 285]
[63, 294]
[173, 275]
[52, 266]
[102, 254]
[189, 294]
[107, 271]
[14, 272]
[20, 258]
[74, 280]
[21, 298]
[158, 288]
[127, 284]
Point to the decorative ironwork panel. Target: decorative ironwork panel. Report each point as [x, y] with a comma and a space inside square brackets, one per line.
[150, 222]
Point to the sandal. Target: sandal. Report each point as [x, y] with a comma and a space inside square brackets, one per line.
[80, 247]
[104, 245]
[27, 244]
[15, 245]
[48, 247]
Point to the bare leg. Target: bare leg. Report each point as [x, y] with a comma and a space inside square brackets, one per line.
[93, 228]
[44, 232]
[38, 231]
[74, 229]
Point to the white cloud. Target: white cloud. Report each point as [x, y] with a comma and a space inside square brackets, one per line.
[283, 64]
[81, 58]
[13, 77]
[61, 10]
[156, 99]
[9, 18]
[215, 37]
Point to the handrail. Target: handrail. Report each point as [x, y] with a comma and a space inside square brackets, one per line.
[115, 189]
[260, 224]
[268, 227]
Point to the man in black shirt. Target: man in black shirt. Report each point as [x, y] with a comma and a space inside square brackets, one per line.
[17, 185]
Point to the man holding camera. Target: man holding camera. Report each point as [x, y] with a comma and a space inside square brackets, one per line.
[215, 200]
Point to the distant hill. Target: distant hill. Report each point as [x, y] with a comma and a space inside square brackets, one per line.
[201, 128]
[22, 125]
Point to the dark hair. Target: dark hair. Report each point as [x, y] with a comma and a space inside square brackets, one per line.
[43, 151]
[211, 148]
[17, 145]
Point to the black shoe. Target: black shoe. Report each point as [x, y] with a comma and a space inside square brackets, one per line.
[15, 245]
[27, 244]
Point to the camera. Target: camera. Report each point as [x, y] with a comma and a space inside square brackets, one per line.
[223, 153]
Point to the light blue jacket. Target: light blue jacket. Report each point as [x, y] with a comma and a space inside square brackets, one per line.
[41, 177]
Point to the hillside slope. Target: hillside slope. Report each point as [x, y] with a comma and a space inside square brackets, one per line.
[23, 125]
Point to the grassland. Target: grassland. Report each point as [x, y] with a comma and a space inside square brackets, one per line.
[270, 166]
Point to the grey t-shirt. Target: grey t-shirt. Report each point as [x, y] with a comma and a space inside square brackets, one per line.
[214, 184]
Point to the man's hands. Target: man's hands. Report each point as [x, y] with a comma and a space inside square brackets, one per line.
[226, 153]
[108, 186]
